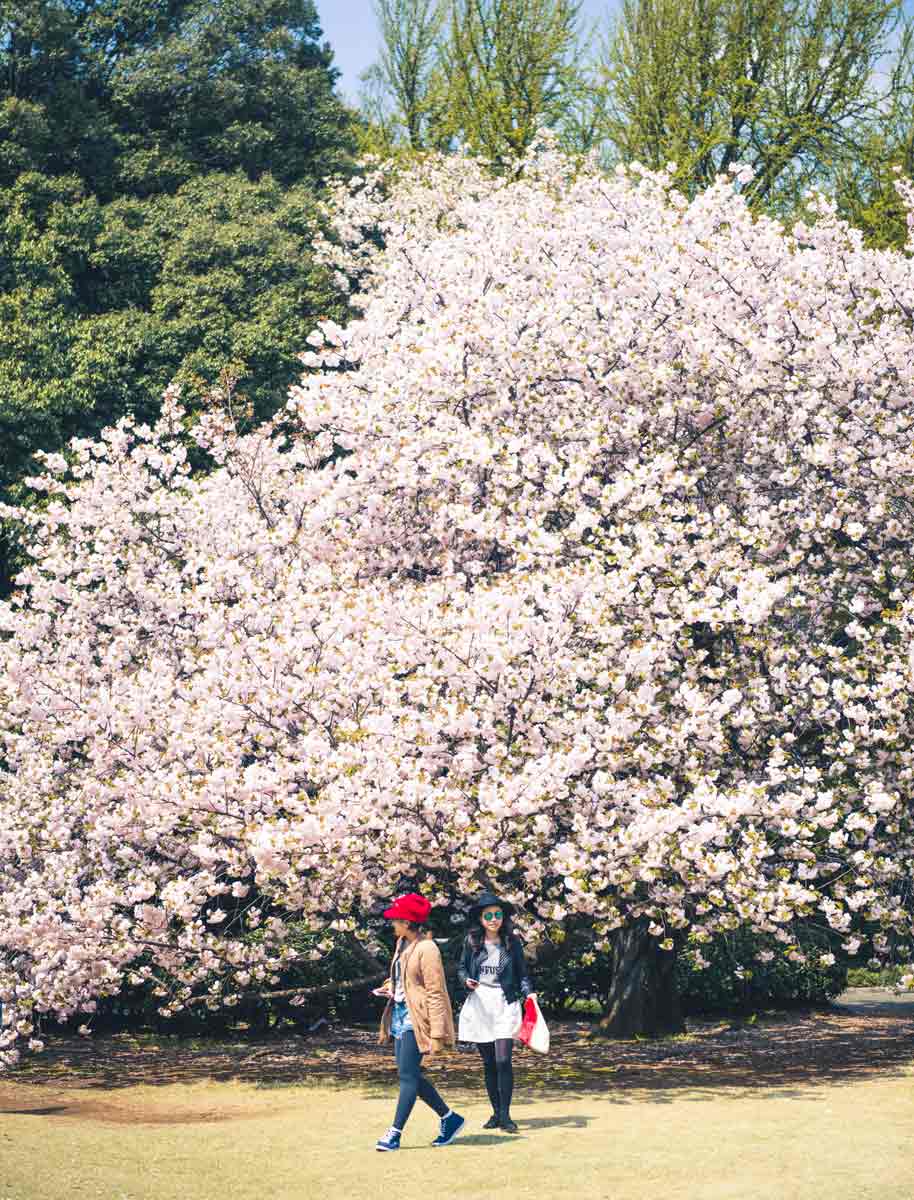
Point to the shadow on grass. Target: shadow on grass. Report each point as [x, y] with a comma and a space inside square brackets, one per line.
[468, 1139]
[50, 1110]
[784, 1054]
[507, 1139]
[579, 1121]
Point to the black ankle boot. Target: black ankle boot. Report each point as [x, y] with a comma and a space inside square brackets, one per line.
[493, 1122]
[507, 1124]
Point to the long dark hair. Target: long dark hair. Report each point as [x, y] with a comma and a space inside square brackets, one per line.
[476, 932]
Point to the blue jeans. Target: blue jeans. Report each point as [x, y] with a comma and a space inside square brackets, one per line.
[401, 1020]
[413, 1083]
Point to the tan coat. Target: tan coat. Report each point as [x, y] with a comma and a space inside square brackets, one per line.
[427, 996]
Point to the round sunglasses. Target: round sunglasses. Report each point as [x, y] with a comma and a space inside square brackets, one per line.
[493, 916]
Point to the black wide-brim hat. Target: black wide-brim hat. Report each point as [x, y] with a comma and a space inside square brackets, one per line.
[486, 898]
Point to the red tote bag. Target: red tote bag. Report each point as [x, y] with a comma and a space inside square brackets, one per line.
[533, 1029]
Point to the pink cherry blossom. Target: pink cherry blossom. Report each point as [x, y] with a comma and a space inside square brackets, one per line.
[491, 601]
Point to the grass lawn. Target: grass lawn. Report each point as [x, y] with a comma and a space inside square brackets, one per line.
[807, 1106]
[215, 1141]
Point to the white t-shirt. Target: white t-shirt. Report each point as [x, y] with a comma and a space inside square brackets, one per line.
[399, 990]
[488, 968]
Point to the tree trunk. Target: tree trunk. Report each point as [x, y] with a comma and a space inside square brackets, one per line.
[643, 995]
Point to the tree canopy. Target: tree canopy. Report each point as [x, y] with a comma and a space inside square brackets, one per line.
[578, 565]
[809, 93]
[803, 91]
[139, 96]
[477, 75]
[160, 163]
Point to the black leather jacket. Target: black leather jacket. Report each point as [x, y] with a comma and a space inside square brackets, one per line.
[513, 974]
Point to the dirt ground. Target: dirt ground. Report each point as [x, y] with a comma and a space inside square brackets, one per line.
[869, 1033]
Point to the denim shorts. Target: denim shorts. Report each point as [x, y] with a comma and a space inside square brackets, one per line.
[400, 1021]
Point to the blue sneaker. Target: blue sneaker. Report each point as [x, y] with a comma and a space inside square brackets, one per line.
[450, 1126]
[390, 1140]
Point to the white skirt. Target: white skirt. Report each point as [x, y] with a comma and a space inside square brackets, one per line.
[486, 1016]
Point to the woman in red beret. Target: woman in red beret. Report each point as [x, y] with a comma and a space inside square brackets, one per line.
[418, 1016]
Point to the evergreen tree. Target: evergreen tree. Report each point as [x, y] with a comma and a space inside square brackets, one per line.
[159, 168]
[137, 96]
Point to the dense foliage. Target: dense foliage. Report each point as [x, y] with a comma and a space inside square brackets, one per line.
[158, 170]
[139, 96]
[742, 973]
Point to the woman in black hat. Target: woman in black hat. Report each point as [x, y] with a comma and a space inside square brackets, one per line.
[494, 972]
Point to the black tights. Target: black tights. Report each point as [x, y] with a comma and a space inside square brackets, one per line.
[496, 1062]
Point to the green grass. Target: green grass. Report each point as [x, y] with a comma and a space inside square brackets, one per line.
[232, 1141]
[866, 977]
[587, 1008]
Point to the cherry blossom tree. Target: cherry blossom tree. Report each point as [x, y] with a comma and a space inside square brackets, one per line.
[579, 565]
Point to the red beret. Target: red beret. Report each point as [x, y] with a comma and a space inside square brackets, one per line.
[411, 907]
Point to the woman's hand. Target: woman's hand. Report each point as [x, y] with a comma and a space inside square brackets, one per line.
[437, 1045]
[384, 991]
[472, 984]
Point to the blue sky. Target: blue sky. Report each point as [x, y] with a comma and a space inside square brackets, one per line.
[351, 29]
